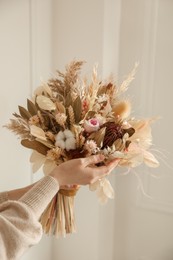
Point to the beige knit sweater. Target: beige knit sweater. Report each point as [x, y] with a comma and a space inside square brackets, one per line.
[19, 226]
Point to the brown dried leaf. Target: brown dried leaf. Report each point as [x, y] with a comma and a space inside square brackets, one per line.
[130, 131]
[60, 107]
[46, 143]
[35, 145]
[119, 144]
[31, 107]
[68, 101]
[101, 90]
[24, 113]
[16, 115]
[77, 108]
[91, 114]
[98, 136]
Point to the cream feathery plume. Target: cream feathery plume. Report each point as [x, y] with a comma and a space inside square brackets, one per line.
[94, 87]
[128, 80]
[19, 127]
[122, 109]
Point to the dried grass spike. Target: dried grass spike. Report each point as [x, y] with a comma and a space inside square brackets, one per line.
[71, 116]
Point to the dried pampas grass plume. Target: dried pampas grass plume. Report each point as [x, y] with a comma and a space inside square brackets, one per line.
[122, 109]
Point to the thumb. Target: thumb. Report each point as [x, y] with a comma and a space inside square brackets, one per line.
[93, 159]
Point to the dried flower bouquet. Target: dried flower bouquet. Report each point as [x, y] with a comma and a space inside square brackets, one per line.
[69, 117]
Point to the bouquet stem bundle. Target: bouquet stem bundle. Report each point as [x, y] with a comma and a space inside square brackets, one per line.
[58, 219]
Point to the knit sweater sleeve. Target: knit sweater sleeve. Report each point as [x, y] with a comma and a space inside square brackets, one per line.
[3, 197]
[19, 225]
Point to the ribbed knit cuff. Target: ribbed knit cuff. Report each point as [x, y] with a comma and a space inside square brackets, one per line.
[3, 196]
[38, 197]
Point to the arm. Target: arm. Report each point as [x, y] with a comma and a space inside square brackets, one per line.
[14, 194]
[3, 197]
[19, 226]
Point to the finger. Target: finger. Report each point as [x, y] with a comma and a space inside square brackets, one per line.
[101, 171]
[105, 170]
[112, 165]
[93, 159]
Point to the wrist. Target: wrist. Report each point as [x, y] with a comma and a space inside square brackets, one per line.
[57, 176]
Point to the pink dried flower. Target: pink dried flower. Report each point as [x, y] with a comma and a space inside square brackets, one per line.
[91, 125]
[85, 105]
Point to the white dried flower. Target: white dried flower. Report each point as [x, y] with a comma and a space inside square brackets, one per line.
[65, 140]
[102, 98]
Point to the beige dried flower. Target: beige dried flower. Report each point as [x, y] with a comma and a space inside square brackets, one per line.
[61, 119]
[122, 109]
[54, 154]
[91, 146]
[50, 135]
[34, 120]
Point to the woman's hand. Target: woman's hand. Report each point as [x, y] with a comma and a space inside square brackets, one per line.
[82, 171]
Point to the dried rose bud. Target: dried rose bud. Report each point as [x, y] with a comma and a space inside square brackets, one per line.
[91, 125]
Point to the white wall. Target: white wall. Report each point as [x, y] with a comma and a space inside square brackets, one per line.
[25, 52]
[143, 226]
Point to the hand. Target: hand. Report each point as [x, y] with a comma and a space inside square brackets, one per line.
[81, 171]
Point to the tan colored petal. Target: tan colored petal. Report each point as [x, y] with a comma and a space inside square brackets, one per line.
[101, 196]
[37, 132]
[45, 103]
[107, 189]
[94, 186]
[150, 159]
[37, 161]
[49, 166]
